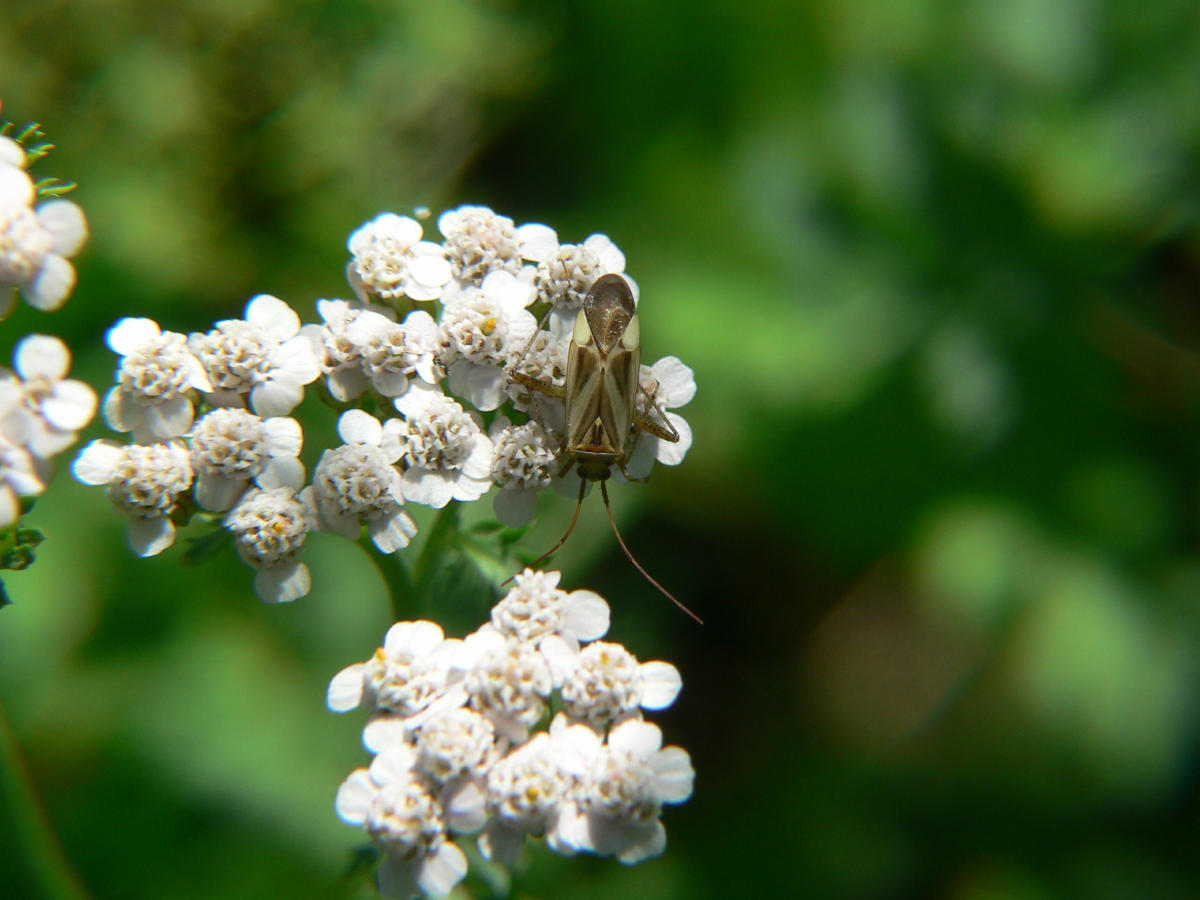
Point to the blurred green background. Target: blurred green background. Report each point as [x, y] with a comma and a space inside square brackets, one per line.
[937, 268]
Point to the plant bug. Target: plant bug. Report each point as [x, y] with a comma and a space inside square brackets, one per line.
[602, 419]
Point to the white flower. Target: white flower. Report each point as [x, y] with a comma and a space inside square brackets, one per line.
[527, 792]
[625, 782]
[339, 357]
[509, 683]
[445, 452]
[50, 408]
[263, 356]
[232, 447]
[144, 481]
[154, 377]
[606, 685]
[665, 385]
[403, 677]
[390, 260]
[457, 744]
[34, 245]
[393, 353]
[18, 478]
[565, 276]
[357, 482]
[402, 816]
[537, 612]
[479, 242]
[486, 328]
[269, 526]
[526, 458]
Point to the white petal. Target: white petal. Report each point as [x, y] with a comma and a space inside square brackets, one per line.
[676, 380]
[170, 418]
[275, 398]
[561, 657]
[660, 684]
[347, 384]
[642, 739]
[284, 471]
[389, 383]
[297, 361]
[392, 532]
[465, 807]
[42, 356]
[66, 224]
[443, 870]
[283, 583]
[538, 242]
[346, 689]
[417, 398]
[274, 316]
[501, 843]
[417, 638]
[479, 463]
[150, 536]
[97, 462]
[644, 843]
[587, 615]
[430, 270]
[16, 188]
[571, 832]
[354, 798]
[466, 490]
[485, 386]
[53, 284]
[674, 776]
[70, 406]
[12, 154]
[672, 454]
[197, 378]
[385, 733]
[394, 765]
[515, 507]
[284, 436]
[427, 487]
[120, 412]
[611, 257]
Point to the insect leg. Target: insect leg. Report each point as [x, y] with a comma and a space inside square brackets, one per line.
[637, 565]
[562, 540]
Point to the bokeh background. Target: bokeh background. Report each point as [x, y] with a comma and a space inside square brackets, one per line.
[937, 268]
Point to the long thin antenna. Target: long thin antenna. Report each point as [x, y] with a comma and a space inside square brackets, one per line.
[562, 540]
[637, 565]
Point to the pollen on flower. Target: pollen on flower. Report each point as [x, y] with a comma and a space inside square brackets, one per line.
[604, 687]
[479, 242]
[159, 369]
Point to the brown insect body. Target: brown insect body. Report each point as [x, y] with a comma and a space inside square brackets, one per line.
[604, 364]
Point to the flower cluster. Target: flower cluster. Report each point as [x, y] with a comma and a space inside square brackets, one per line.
[41, 410]
[529, 727]
[35, 243]
[419, 362]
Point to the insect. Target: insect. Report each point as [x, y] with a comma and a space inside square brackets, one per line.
[603, 422]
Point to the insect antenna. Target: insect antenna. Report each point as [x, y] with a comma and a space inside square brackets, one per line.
[562, 540]
[637, 565]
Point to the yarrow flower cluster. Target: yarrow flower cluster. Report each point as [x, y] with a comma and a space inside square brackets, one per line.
[41, 409]
[465, 742]
[35, 243]
[420, 364]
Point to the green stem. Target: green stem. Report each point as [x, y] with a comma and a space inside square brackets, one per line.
[25, 827]
[444, 525]
[402, 590]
